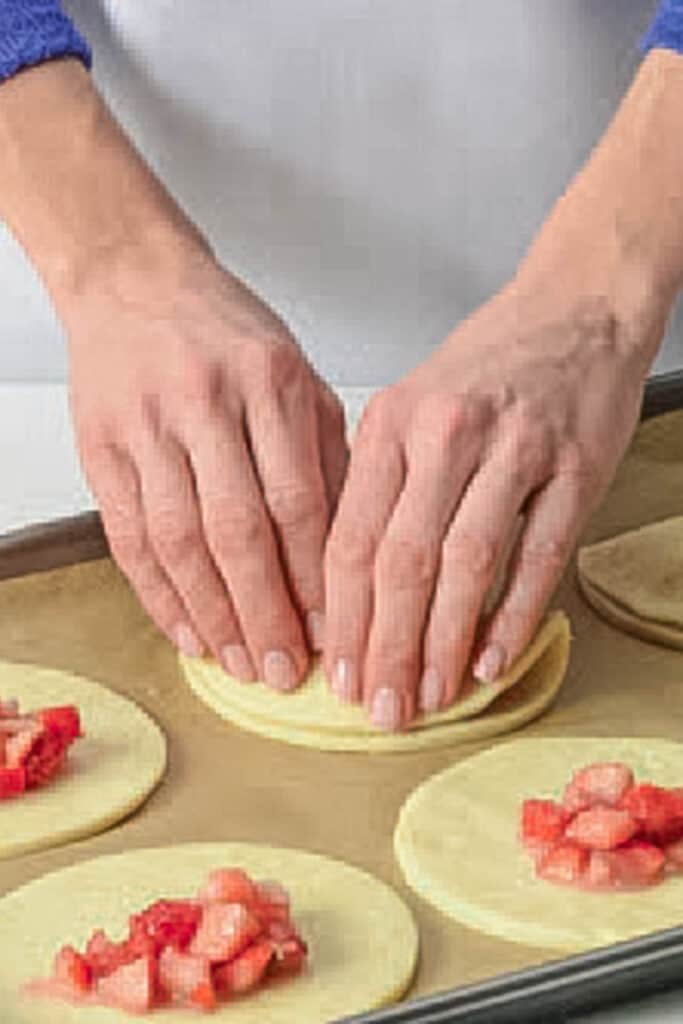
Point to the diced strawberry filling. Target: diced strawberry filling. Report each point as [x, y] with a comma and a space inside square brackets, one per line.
[564, 863]
[608, 833]
[131, 987]
[246, 971]
[597, 784]
[33, 747]
[601, 828]
[543, 822]
[225, 930]
[65, 721]
[658, 811]
[72, 969]
[185, 978]
[12, 781]
[185, 953]
[166, 923]
[228, 885]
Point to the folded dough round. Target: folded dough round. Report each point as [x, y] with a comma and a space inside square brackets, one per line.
[635, 581]
[363, 942]
[457, 844]
[312, 716]
[108, 773]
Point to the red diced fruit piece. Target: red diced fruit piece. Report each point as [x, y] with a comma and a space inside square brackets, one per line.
[601, 828]
[597, 784]
[245, 972]
[543, 822]
[185, 953]
[12, 781]
[131, 987]
[165, 923]
[564, 863]
[45, 758]
[228, 885]
[637, 864]
[63, 720]
[600, 871]
[289, 956]
[273, 902]
[224, 931]
[186, 979]
[73, 970]
[19, 746]
[658, 811]
[631, 866]
[674, 856]
[104, 956]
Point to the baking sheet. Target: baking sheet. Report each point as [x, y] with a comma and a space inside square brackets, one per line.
[220, 784]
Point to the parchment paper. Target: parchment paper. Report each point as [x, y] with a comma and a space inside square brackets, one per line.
[225, 784]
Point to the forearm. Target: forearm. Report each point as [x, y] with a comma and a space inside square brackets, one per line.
[617, 233]
[73, 190]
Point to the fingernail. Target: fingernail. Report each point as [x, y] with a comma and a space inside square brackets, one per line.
[237, 662]
[490, 664]
[187, 641]
[431, 690]
[315, 628]
[386, 709]
[279, 670]
[343, 681]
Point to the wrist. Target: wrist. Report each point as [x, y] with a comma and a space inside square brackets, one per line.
[616, 236]
[76, 193]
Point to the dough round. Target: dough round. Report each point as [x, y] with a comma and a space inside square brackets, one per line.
[312, 716]
[362, 938]
[109, 772]
[635, 581]
[457, 843]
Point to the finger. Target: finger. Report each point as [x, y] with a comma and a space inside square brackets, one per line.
[407, 567]
[474, 548]
[554, 518]
[283, 435]
[241, 539]
[373, 484]
[174, 527]
[334, 450]
[114, 481]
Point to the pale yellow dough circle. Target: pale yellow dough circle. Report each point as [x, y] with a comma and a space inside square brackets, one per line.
[363, 940]
[312, 716]
[635, 580]
[109, 772]
[457, 844]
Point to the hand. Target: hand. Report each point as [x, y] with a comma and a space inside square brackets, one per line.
[216, 455]
[526, 408]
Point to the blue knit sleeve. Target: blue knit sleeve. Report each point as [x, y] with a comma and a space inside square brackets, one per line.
[33, 31]
[666, 31]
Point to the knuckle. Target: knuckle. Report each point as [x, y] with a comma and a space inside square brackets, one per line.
[473, 553]
[234, 529]
[547, 557]
[577, 466]
[406, 561]
[351, 546]
[173, 536]
[199, 381]
[273, 366]
[295, 505]
[449, 414]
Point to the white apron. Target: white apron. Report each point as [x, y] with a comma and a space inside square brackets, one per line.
[374, 168]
